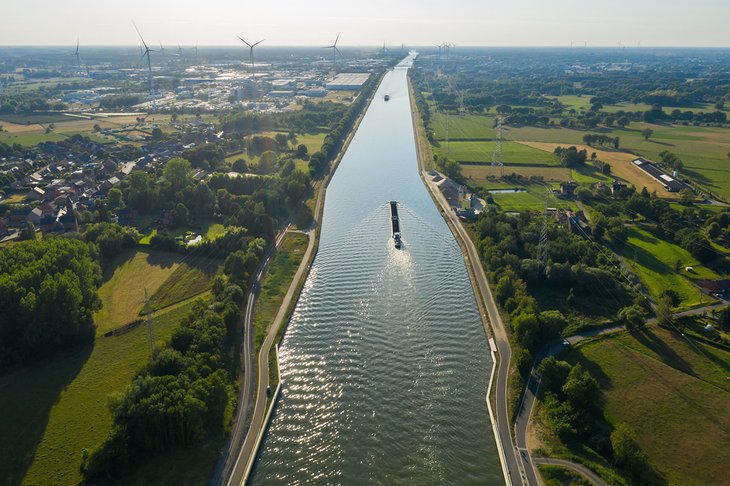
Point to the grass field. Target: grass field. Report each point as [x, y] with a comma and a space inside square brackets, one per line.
[702, 149]
[532, 199]
[278, 277]
[51, 412]
[190, 278]
[479, 174]
[512, 154]
[466, 127]
[122, 292]
[621, 166]
[676, 395]
[653, 259]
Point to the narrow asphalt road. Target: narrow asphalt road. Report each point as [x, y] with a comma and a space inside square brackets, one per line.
[582, 470]
[245, 399]
[247, 455]
[508, 455]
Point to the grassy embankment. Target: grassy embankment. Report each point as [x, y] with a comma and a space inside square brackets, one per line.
[274, 286]
[673, 392]
[654, 260]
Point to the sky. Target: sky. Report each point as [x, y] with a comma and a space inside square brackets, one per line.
[700, 23]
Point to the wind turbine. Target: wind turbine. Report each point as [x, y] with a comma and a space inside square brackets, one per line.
[440, 47]
[253, 69]
[335, 51]
[76, 54]
[146, 52]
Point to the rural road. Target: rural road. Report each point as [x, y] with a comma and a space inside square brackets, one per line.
[511, 466]
[247, 455]
[245, 399]
[583, 471]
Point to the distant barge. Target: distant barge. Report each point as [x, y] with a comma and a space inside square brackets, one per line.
[395, 222]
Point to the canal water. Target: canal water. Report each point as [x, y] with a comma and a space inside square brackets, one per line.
[385, 362]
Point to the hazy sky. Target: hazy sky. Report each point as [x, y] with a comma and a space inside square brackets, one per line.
[369, 22]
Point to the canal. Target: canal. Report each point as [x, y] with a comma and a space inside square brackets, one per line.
[385, 362]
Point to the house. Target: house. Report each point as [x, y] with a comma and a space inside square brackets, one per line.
[714, 286]
[617, 186]
[567, 189]
[34, 216]
[35, 194]
[575, 221]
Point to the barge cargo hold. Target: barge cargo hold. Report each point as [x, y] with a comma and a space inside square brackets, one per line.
[395, 223]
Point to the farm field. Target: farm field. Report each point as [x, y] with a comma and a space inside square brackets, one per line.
[52, 411]
[673, 393]
[702, 149]
[513, 153]
[653, 259]
[584, 103]
[463, 127]
[621, 166]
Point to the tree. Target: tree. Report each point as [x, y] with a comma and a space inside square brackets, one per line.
[157, 133]
[114, 196]
[647, 133]
[632, 317]
[581, 389]
[301, 151]
[28, 232]
[267, 162]
[177, 173]
[623, 122]
[282, 140]
[181, 214]
[239, 165]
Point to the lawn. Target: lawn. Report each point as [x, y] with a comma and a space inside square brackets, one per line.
[674, 393]
[531, 199]
[52, 411]
[463, 127]
[653, 259]
[512, 154]
[480, 174]
[276, 282]
[122, 292]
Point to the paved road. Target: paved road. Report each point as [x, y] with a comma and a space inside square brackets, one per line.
[508, 454]
[245, 398]
[248, 451]
[582, 470]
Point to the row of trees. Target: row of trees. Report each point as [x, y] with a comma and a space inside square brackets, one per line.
[333, 141]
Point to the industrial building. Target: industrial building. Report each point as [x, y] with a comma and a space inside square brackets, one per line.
[348, 81]
[669, 182]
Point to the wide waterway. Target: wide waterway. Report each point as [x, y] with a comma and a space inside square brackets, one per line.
[385, 362]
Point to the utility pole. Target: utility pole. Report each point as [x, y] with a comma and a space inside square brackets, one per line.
[150, 323]
[542, 250]
[497, 153]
